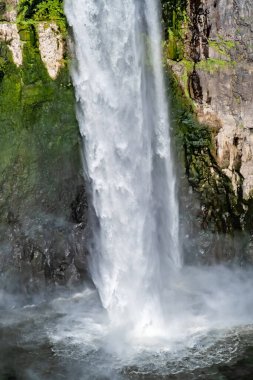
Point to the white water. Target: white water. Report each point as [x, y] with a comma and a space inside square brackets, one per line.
[155, 311]
[123, 118]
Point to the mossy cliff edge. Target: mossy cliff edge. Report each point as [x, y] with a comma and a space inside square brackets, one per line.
[42, 204]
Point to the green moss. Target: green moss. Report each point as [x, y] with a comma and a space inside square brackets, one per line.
[38, 132]
[174, 45]
[186, 68]
[218, 48]
[212, 65]
[32, 11]
[188, 64]
[227, 44]
[223, 47]
[230, 44]
[175, 26]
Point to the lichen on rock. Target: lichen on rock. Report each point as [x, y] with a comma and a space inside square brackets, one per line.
[51, 47]
[8, 10]
[9, 34]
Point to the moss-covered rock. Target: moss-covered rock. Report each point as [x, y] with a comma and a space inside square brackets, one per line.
[222, 209]
[41, 181]
[39, 132]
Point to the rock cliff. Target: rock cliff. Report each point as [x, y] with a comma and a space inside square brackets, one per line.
[215, 73]
[221, 46]
[43, 204]
[208, 47]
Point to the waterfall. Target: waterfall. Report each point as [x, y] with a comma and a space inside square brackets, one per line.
[123, 118]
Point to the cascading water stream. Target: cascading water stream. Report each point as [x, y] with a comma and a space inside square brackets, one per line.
[123, 118]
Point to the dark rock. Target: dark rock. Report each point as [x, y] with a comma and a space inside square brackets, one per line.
[79, 207]
[2, 7]
[195, 88]
[200, 30]
[49, 253]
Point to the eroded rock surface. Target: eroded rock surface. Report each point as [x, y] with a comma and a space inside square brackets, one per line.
[9, 34]
[217, 72]
[8, 10]
[51, 47]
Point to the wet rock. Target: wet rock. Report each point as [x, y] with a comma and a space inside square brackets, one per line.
[51, 254]
[66, 256]
[80, 237]
[195, 87]
[79, 207]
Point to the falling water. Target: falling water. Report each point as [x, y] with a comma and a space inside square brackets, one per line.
[123, 119]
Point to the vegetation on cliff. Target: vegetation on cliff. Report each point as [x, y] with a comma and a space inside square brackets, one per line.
[174, 17]
[39, 132]
[42, 10]
[40, 164]
[221, 206]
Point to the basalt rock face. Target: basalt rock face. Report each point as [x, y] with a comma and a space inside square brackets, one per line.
[218, 77]
[43, 201]
[221, 46]
[215, 73]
